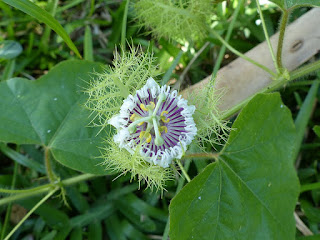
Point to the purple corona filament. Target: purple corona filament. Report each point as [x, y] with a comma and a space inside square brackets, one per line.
[157, 122]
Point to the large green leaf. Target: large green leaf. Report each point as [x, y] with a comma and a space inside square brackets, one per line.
[287, 4]
[251, 191]
[50, 112]
[37, 12]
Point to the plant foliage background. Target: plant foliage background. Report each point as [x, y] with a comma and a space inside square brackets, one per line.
[249, 189]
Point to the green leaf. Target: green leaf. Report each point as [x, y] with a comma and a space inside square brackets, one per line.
[251, 191]
[9, 49]
[131, 232]
[314, 237]
[21, 159]
[76, 234]
[287, 4]
[114, 228]
[95, 213]
[54, 218]
[132, 204]
[134, 215]
[312, 213]
[316, 129]
[77, 199]
[50, 112]
[95, 231]
[50, 236]
[35, 11]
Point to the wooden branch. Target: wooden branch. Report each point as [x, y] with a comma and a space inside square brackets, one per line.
[240, 79]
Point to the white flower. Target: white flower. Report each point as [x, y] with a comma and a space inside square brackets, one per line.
[156, 122]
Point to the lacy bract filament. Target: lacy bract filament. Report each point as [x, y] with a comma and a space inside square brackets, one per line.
[156, 122]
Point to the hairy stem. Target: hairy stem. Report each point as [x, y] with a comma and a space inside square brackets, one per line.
[307, 69]
[48, 165]
[20, 191]
[45, 188]
[267, 36]
[79, 178]
[283, 24]
[30, 212]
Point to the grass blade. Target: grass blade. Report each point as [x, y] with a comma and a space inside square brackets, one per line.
[88, 49]
[303, 117]
[175, 62]
[21, 159]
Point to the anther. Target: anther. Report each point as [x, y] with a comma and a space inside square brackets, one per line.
[143, 107]
[133, 117]
[163, 128]
[149, 107]
[165, 120]
[146, 135]
[163, 112]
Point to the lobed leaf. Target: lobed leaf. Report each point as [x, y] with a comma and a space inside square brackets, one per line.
[50, 112]
[251, 191]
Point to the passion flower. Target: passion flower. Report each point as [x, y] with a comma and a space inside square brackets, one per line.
[156, 122]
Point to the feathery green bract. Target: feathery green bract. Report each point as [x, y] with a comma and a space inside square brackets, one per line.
[120, 160]
[130, 72]
[211, 127]
[184, 20]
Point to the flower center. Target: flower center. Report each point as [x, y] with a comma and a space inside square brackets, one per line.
[153, 122]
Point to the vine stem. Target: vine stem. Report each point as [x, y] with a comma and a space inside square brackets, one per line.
[20, 191]
[267, 36]
[45, 188]
[307, 69]
[30, 212]
[244, 56]
[283, 24]
[184, 172]
[228, 35]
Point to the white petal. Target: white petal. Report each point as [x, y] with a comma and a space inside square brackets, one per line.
[115, 121]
